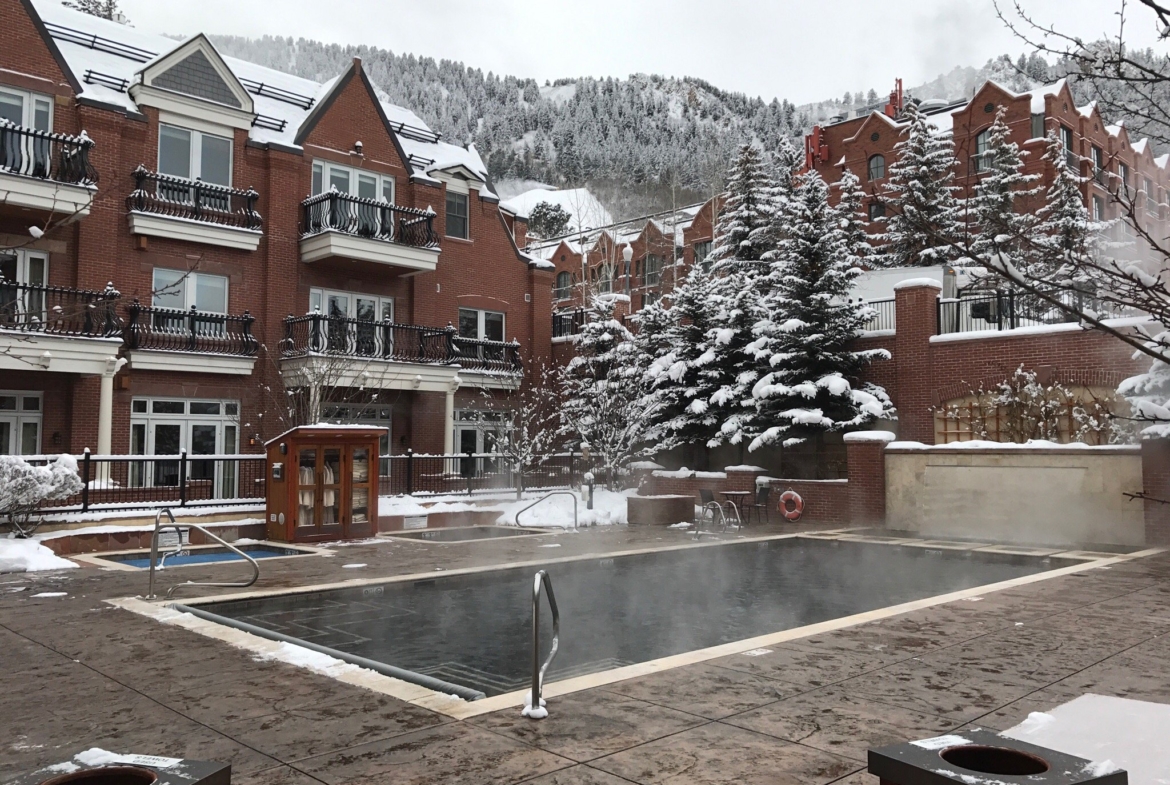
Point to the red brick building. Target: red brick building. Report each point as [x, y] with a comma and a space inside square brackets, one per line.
[187, 239]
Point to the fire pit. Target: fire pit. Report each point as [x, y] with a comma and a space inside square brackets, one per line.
[99, 767]
[983, 757]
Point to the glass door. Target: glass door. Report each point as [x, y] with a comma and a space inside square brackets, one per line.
[308, 514]
[337, 308]
[363, 490]
[319, 488]
[166, 438]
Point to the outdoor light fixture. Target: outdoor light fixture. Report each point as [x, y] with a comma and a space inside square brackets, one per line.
[627, 255]
[357, 147]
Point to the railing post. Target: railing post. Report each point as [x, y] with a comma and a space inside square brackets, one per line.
[110, 297]
[250, 344]
[315, 326]
[85, 478]
[133, 310]
[572, 469]
[470, 472]
[1012, 307]
[191, 334]
[387, 340]
[250, 198]
[409, 471]
[183, 478]
[197, 202]
[450, 336]
[139, 195]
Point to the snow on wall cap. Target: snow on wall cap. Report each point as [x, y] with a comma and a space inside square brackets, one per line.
[870, 436]
[745, 467]
[914, 283]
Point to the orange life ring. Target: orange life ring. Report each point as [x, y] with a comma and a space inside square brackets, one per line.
[797, 508]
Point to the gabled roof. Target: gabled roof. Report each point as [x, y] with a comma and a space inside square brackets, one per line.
[195, 68]
[51, 45]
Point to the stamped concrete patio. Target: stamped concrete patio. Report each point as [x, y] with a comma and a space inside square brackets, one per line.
[80, 673]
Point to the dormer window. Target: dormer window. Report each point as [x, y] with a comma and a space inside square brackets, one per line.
[347, 180]
[457, 215]
[191, 155]
[26, 109]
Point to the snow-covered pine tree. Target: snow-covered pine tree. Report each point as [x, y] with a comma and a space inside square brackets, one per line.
[681, 376]
[851, 221]
[924, 219]
[745, 238]
[1065, 234]
[813, 385]
[1002, 230]
[604, 405]
[106, 9]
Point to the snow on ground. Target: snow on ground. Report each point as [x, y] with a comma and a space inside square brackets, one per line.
[29, 556]
[555, 512]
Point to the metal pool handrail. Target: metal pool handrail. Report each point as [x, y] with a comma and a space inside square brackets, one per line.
[550, 495]
[178, 527]
[535, 708]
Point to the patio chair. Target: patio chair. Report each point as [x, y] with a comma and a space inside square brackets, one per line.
[760, 504]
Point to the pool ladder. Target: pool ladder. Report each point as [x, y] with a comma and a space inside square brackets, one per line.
[709, 513]
[535, 705]
[178, 527]
[549, 496]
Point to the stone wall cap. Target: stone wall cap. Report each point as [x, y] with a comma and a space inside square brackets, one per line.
[744, 468]
[870, 436]
[1034, 446]
[915, 283]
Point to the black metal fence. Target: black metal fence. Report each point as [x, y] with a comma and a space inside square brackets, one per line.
[56, 310]
[147, 482]
[344, 336]
[1009, 310]
[173, 329]
[369, 218]
[566, 323]
[195, 200]
[884, 314]
[46, 156]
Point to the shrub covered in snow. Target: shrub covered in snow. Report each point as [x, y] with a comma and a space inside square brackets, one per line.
[24, 487]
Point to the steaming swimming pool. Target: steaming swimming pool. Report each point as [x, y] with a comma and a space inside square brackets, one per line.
[474, 629]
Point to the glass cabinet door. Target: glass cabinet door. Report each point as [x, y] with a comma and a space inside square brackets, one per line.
[307, 489]
[331, 486]
[360, 502]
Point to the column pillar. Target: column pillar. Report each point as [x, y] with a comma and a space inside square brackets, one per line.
[865, 451]
[449, 417]
[916, 304]
[105, 437]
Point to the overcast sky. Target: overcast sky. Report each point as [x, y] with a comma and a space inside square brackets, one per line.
[803, 51]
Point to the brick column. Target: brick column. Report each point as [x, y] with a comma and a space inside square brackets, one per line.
[865, 453]
[743, 478]
[1156, 484]
[916, 305]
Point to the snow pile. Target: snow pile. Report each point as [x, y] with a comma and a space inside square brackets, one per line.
[609, 508]
[301, 657]
[30, 556]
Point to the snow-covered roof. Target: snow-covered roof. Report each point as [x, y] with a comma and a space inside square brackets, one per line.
[106, 57]
[586, 211]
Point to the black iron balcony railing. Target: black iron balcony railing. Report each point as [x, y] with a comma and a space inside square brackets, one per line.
[46, 156]
[347, 337]
[56, 310]
[566, 323]
[368, 218]
[195, 200]
[883, 316]
[176, 330]
[1009, 310]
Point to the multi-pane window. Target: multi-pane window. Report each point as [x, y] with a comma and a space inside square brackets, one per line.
[1037, 125]
[1098, 164]
[652, 270]
[366, 307]
[169, 426]
[1098, 209]
[605, 278]
[183, 290]
[982, 143]
[21, 304]
[329, 176]
[457, 215]
[877, 167]
[481, 325]
[30, 110]
[1066, 140]
[1151, 203]
[1123, 176]
[702, 251]
[877, 210]
[352, 321]
[24, 266]
[20, 422]
[191, 155]
[564, 286]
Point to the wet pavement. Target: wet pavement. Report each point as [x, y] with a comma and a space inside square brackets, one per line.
[79, 673]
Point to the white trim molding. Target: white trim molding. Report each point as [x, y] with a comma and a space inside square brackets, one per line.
[191, 231]
[21, 351]
[371, 373]
[145, 93]
[47, 195]
[489, 380]
[333, 243]
[191, 362]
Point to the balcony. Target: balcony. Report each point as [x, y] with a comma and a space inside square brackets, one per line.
[193, 211]
[52, 328]
[171, 339]
[47, 172]
[353, 227]
[336, 351]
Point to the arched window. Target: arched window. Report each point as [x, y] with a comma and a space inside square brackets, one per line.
[982, 144]
[564, 286]
[877, 167]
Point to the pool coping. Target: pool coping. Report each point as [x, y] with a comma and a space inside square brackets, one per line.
[98, 559]
[528, 531]
[456, 708]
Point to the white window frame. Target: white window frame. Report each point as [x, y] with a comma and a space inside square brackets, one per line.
[196, 151]
[566, 291]
[20, 416]
[322, 170]
[29, 100]
[984, 138]
[318, 297]
[869, 166]
[189, 289]
[466, 197]
[144, 474]
[481, 314]
[23, 257]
